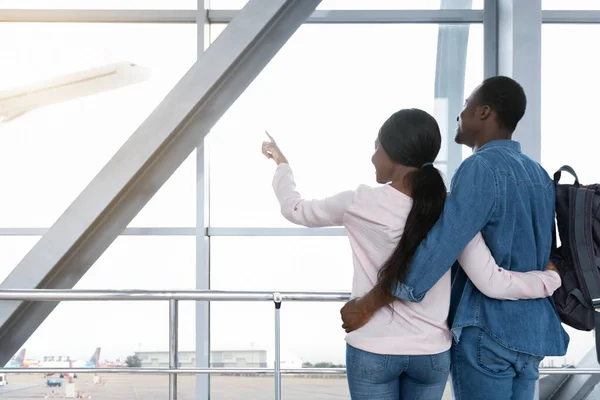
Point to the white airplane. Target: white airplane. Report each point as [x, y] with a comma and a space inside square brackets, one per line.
[93, 362]
[66, 362]
[16, 102]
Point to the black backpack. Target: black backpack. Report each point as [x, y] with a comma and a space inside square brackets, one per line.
[578, 257]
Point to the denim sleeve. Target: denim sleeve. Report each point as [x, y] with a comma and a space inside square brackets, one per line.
[469, 206]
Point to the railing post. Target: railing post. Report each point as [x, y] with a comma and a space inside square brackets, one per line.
[277, 300]
[173, 347]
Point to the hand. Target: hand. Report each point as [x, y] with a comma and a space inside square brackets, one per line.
[551, 267]
[271, 150]
[354, 315]
[357, 312]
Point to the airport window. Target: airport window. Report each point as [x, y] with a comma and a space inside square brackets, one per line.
[324, 108]
[292, 265]
[328, 94]
[54, 152]
[356, 4]
[148, 262]
[307, 94]
[569, 115]
[12, 250]
[323, 117]
[565, 98]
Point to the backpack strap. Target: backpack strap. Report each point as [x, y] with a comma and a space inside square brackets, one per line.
[583, 202]
[565, 168]
[596, 335]
[554, 244]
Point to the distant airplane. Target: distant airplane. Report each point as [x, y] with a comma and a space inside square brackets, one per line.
[66, 362]
[93, 362]
[16, 102]
[18, 361]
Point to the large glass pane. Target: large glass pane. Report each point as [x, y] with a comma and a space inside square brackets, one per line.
[281, 263]
[569, 121]
[144, 262]
[101, 4]
[323, 97]
[361, 4]
[50, 154]
[569, 110]
[121, 329]
[12, 251]
[570, 5]
[311, 333]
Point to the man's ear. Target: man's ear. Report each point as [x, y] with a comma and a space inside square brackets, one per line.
[484, 112]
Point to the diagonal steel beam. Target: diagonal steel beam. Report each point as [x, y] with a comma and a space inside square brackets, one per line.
[576, 387]
[144, 163]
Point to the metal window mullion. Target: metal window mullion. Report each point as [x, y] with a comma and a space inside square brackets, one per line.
[490, 39]
[277, 299]
[173, 347]
[320, 16]
[132, 231]
[268, 231]
[447, 16]
[571, 16]
[100, 16]
[202, 238]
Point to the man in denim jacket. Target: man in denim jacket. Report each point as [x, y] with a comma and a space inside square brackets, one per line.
[510, 199]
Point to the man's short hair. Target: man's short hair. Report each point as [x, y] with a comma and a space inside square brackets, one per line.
[506, 98]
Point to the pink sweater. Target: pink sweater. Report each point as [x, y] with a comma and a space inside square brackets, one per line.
[374, 219]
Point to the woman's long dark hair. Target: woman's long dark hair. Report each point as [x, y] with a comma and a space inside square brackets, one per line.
[412, 138]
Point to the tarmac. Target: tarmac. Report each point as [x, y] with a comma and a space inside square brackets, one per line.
[156, 387]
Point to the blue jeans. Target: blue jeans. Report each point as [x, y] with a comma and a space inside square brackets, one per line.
[389, 377]
[483, 369]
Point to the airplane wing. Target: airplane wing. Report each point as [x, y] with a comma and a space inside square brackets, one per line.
[16, 102]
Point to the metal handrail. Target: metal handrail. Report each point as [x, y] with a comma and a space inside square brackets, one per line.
[249, 371]
[179, 371]
[165, 295]
[570, 371]
[173, 297]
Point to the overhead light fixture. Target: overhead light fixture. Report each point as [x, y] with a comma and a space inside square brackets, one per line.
[16, 102]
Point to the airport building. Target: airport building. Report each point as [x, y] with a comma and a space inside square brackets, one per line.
[218, 359]
[134, 181]
[252, 358]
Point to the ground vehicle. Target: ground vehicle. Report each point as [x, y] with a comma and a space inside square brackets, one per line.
[54, 382]
[3, 380]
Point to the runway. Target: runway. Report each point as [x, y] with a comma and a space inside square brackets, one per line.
[146, 387]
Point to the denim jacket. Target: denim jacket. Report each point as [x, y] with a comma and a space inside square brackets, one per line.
[510, 199]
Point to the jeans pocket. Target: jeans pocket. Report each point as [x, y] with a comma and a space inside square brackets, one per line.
[493, 357]
[441, 362]
[367, 363]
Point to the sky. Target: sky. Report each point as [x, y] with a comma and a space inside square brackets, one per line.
[323, 97]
